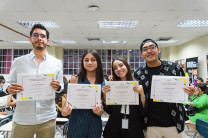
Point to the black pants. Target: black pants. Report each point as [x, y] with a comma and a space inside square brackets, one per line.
[123, 133]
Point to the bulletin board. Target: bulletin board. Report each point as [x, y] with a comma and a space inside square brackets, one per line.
[191, 67]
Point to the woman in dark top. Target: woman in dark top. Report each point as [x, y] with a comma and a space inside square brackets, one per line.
[86, 123]
[113, 129]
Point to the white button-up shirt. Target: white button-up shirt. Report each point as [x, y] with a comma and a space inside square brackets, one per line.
[36, 111]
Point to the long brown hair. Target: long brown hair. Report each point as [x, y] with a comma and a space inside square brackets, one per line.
[99, 69]
[129, 76]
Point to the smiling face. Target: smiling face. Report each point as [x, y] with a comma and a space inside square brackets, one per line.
[39, 39]
[90, 62]
[150, 52]
[120, 69]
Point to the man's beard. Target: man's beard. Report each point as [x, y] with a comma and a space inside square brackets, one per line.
[39, 48]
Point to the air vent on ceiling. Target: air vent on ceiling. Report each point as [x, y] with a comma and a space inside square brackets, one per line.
[164, 38]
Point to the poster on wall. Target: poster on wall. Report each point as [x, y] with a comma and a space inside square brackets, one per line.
[181, 62]
[191, 67]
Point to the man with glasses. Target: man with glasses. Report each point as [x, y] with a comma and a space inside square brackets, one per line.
[35, 116]
[163, 120]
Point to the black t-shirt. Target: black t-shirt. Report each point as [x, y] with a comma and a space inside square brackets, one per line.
[159, 112]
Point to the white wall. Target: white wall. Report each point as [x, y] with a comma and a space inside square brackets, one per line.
[195, 48]
[54, 51]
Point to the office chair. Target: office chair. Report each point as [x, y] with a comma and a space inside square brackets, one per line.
[65, 129]
[202, 127]
[4, 121]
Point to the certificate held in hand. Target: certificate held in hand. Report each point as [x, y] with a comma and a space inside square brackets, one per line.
[36, 87]
[169, 89]
[83, 96]
[122, 93]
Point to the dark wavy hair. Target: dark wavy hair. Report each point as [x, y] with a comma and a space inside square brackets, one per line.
[2, 80]
[129, 76]
[99, 70]
[202, 86]
[40, 26]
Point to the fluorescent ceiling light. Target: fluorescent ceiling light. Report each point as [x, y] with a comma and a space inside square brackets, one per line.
[29, 24]
[64, 41]
[193, 23]
[117, 24]
[19, 42]
[167, 42]
[114, 42]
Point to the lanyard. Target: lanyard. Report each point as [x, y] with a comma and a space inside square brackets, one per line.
[125, 111]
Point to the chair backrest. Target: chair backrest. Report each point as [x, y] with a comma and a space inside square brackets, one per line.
[202, 127]
[10, 117]
[4, 121]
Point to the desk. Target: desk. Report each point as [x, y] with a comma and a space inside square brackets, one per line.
[3, 116]
[64, 120]
[2, 107]
[191, 125]
[7, 128]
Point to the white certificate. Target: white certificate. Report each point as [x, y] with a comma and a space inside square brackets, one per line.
[36, 87]
[83, 96]
[122, 93]
[169, 89]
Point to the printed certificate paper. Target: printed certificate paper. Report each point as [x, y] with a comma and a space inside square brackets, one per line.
[169, 89]
[36, 87]
[83, 96]
[122, 93]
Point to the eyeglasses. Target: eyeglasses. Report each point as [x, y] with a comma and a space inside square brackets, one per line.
[36, 35]
[151, 48]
